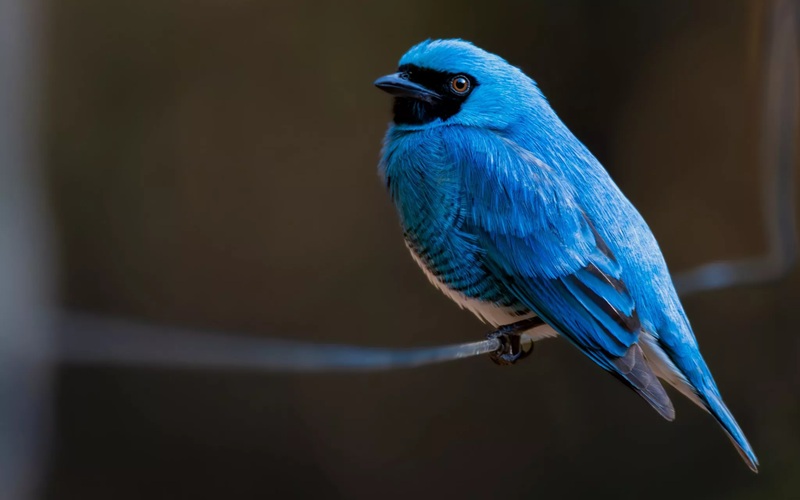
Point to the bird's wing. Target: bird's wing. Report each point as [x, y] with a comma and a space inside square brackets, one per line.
[539, 240]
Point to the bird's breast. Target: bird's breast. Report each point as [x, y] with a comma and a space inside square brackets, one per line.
[429, 192]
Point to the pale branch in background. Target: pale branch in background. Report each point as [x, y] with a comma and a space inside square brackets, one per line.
[778, 156]
[26, 284]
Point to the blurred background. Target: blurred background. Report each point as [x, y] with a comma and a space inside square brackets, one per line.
[212, 165]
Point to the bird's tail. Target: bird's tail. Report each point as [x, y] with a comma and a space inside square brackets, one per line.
[701, 389]
[715, 406]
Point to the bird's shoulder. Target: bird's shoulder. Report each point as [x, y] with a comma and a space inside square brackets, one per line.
[513, 199]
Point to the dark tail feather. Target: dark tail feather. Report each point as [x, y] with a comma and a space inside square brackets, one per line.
[634, 371]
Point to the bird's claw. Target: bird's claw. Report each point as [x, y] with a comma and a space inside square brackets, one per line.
[513, 347]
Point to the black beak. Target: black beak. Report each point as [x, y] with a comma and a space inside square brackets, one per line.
[399, 85]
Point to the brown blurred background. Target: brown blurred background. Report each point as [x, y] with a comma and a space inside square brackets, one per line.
[213, 165]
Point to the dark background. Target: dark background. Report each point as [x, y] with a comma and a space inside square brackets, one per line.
[213, 165]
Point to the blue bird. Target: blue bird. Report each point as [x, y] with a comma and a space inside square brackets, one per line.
[509, 214]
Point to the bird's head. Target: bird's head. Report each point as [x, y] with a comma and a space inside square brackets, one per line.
[442, 82]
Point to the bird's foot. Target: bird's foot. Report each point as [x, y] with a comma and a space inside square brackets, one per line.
[514, 345]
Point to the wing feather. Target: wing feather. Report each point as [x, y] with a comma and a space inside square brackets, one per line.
[535, 235]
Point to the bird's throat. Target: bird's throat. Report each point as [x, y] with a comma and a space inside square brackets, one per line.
[409, 111]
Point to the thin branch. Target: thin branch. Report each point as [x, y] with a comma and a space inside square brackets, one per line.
[92, 339]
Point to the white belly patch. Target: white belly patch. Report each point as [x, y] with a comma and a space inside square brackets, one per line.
[485, 311]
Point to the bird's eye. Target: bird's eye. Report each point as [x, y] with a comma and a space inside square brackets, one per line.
[460, 84]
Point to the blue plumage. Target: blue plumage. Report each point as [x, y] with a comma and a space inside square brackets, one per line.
[511, 216]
